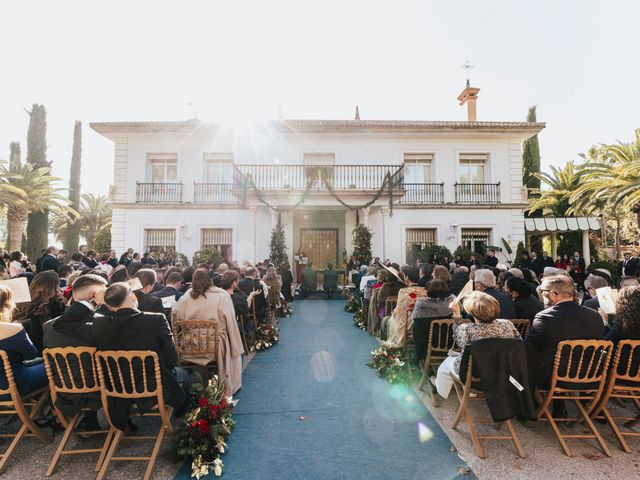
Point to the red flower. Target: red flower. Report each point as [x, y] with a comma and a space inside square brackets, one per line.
[204, 426]
[203, 402]
[413, 295]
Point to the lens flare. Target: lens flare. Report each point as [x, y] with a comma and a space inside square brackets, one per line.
[323, 366]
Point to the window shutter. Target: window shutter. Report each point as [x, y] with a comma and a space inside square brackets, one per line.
[213, 237]
[159, 239]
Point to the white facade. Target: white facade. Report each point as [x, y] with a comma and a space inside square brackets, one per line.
[171, 158]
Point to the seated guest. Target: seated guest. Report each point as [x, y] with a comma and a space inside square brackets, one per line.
[127, 328]
[483, 309]
[441, 273]
[241, 302]
[399, 323]
[187, 277]
[309, 282]
[127, 257]
[627, 319]
[16, 268]
[524, 298]
[330, 281]
[15, 341]
[247, 284]
[371, 295]
[172, 284]
[432, 307]
[119, 274]
[90, 260]
[459, 279]
[47, 302]
[64, 272]
[564, 319]
[147, 303]
[370, 274]
[629, 282]
[591, 284]
[485, 281]
[287, 280]
[357, 276]
[87, 291]
[50, 260]
[204, 301]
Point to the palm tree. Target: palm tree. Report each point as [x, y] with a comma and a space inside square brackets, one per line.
[26, 190]
[562, 182]
[94, 215]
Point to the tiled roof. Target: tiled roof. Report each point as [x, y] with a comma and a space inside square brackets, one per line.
[303, 125]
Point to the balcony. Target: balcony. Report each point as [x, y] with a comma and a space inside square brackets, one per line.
[423, 193]
[158, 192]
[477, 192]
[214, 193]
[317, 177]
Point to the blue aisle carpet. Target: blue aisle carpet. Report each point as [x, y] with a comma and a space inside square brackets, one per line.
[310, 408]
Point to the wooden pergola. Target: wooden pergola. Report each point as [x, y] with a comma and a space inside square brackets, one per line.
[554, 225]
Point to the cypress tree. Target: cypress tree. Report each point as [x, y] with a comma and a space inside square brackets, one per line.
[73, 230]
[15, 162]
[531, 157]
[38, 222]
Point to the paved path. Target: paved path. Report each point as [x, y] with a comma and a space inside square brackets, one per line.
[310, 408]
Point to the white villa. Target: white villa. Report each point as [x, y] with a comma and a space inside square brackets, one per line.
[190, 185]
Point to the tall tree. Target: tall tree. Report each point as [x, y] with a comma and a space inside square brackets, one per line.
[15, 162]
[93, 216]
[73, 231]
[531, 159]
[38, 221]
[278, 246]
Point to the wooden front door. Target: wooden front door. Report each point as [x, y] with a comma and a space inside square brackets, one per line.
[320, 245]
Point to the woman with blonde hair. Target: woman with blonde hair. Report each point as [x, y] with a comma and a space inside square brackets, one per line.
[483, 310]
[15, 341]
[204, 301]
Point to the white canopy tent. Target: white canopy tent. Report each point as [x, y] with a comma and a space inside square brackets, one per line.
[554, 225]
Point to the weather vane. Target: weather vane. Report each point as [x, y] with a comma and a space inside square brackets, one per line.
[467, 66]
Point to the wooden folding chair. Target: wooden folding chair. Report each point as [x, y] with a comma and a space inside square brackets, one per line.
[623, 384]
[132, 375]
[389, 305]
[439, 342]
[522, 325]
[60, 364]
[579, 375]
[26, 407]
[464, 393]
[196, 338]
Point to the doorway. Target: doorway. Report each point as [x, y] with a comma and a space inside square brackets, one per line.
[320, 245]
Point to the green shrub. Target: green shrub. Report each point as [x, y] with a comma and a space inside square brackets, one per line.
[438, 251]
[210, 256]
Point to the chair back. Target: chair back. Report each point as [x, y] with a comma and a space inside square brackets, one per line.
[626, 364]
[440, 339]
[71, 370]
[581, 364]
[522, 325]
[8, 386]
[196, 337]
[389, 305]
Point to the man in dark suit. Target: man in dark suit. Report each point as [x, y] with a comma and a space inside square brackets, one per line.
[247, 283]
[564, 319]
[50, 260]
[485, 281]
[628, 266]
[536, 264]
[330, 281]
[87, 291]
[490, 259]
[580, 262]
[548, 261]
[172, 284]
[147, 303]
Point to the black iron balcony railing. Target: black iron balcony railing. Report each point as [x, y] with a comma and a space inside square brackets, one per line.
[158, 192]
[215, 193]
[423, 193]
[477, 192]
[317, 177]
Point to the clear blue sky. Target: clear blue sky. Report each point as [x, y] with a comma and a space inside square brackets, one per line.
[576, 60]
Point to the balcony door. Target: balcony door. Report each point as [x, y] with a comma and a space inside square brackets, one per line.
[417, 174]
[218, 168]
[319, 169]
[320, 246]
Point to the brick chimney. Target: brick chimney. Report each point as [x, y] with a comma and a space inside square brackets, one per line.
[469, 96]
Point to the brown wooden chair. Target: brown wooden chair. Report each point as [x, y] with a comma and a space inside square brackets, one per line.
[522, 325]
[623, 384]
[132, 375]
[60, 364]
[579, 375]
[464, 393]
[196, 338]
[389, 305]
[26, 407]
[439, 342]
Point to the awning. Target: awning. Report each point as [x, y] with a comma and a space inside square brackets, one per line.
[561, 224]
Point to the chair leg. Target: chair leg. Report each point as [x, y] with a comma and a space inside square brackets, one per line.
[112, 450]
[63, 443]
[516, 439]
[12, 446]
[105, 449]
[473, 431]
[593, 428]
[31, 425]
[154, 453]
[616, 430]
[563, 443]
[461, 408]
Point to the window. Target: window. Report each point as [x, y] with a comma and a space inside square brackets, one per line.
[220, 239]
[417, 239]
[417, 167]
[476, 239]
[472, 167]
[164, 167]
[159, 239]
[218, 168]
[319, 168]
